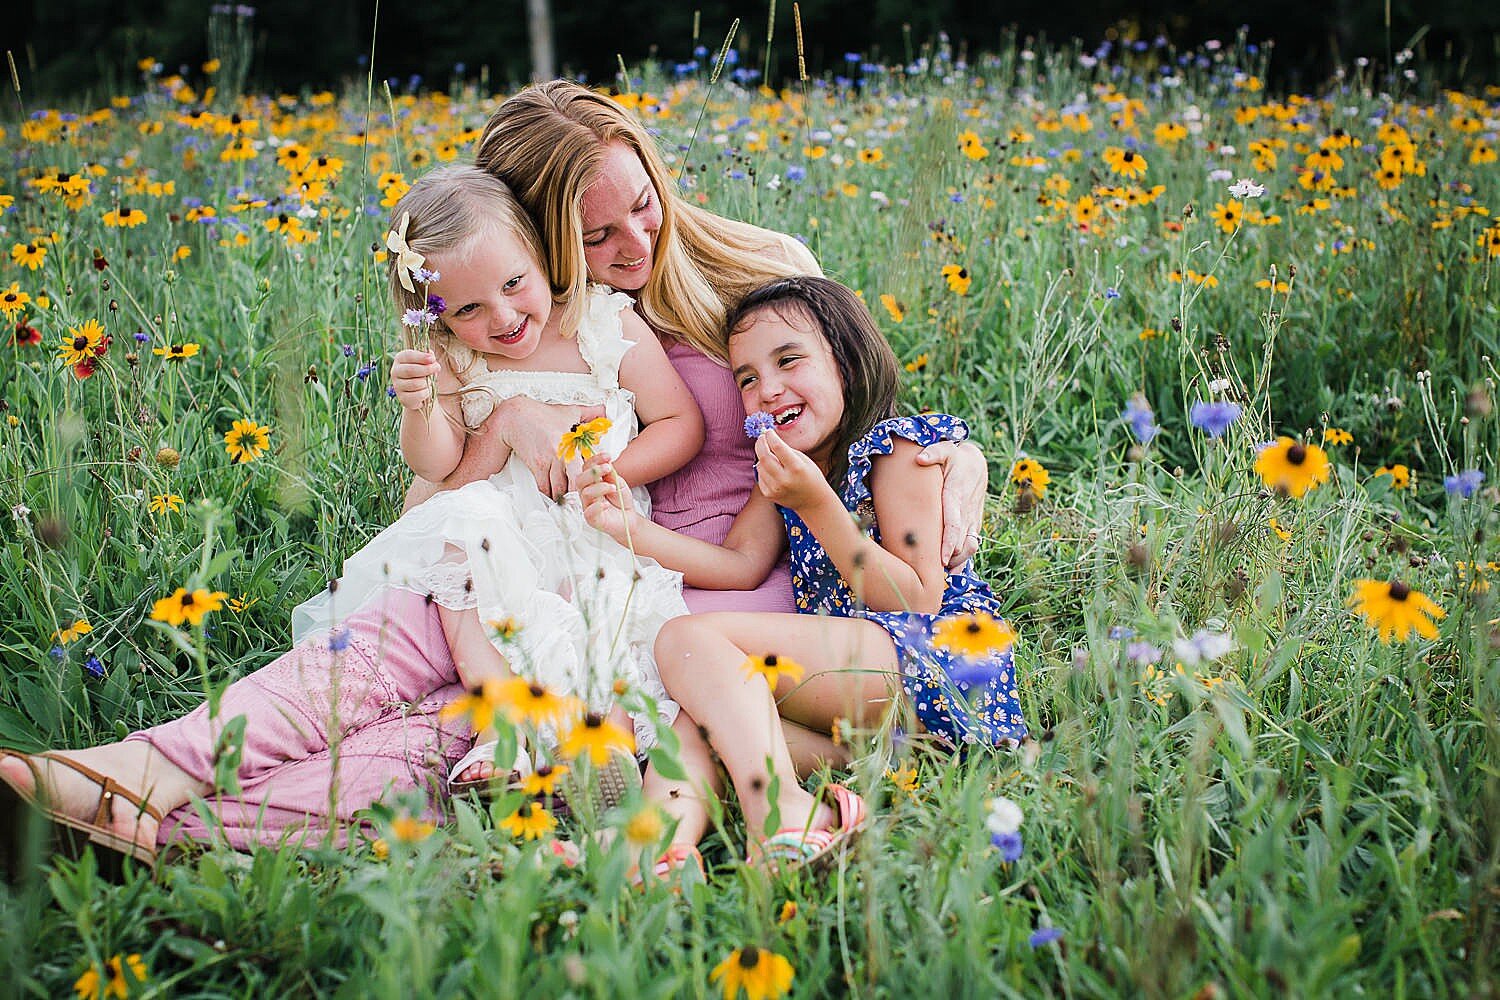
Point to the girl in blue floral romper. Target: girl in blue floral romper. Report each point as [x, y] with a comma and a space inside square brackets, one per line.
[837, 480]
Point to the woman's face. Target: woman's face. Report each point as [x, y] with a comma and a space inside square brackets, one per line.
[621, 217]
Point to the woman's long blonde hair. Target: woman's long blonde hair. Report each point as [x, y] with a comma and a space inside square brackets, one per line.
[547, 142]
[447, 209]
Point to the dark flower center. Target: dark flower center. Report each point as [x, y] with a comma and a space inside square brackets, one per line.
[187, 600]
[537, 691]
[749, 957]
[770, 660]
[80, 342]
[1399, 590]
[972, 628]
[1296, 454]
[593, 720]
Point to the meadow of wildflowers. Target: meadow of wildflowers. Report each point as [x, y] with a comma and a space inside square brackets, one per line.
[1231, 355]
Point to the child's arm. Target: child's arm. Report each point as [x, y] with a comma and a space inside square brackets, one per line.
[671, 423]
[432, 441]
[743, 562]
[902, 574]
[474, 655]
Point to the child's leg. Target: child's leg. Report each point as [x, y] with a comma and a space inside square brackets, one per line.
[849, 665]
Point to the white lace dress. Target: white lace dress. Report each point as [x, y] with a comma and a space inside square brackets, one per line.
[586, 610]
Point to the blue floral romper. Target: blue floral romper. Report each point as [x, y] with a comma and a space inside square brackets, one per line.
[958, 699]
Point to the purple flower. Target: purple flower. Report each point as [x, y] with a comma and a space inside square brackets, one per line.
[57, 653]
[416, 318]
[94, 665]
[795, 173]
[1043, 935]
[1214, 418]
[1141, 420]
[141, 337]
[348, 350]
[1121, 631]
[758, 423]
[1464, 484]
[1111, 293]
[364, 371]
[436, 305]
[1008, 844]
[1142, 653]
[338, 640]
[425, 276]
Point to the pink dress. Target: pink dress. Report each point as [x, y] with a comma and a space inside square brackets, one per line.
[702, 498]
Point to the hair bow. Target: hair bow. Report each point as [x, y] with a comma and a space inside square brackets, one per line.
[407, 259]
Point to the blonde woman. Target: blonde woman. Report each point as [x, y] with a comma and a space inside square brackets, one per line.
[608, 212]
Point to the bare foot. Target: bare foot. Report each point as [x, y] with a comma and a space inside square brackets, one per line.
[478, 771]
[134, 766]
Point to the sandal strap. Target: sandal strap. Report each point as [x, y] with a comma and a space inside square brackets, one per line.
[108, 787]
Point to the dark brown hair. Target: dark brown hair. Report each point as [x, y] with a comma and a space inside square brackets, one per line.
[865, 361]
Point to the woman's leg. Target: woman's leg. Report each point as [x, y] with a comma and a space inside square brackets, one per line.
[850, 669]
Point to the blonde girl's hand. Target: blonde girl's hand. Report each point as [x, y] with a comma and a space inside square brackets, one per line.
[788, 477]
[607, 501]
[411, 375]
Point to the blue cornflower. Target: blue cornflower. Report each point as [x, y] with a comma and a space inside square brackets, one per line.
[1464, 484]
[1142, 653]
[758, 423]
[347, 349]
[338, 640]
[417, 318]
[94, 665]
[1008, 844]
[795, 173]
[436, 305]
[1121, 632]
[1043, 935]
[1111, 293]
[390, 391]
[141, 337]
[57, 653]
[425, 276]
[1141, 420]
[1214, 418]
[364, 371]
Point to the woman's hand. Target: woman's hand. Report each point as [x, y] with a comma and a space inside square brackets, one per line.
[607, 501]
[412, 373]
[787, 477]
[966, 477]
[533, 430]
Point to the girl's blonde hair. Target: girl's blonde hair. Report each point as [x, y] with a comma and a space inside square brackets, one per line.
[449, 208]
[547, 143]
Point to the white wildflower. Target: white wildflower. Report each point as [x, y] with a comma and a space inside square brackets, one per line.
[1246, 189]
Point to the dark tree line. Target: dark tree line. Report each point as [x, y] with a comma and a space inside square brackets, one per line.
[77, 46]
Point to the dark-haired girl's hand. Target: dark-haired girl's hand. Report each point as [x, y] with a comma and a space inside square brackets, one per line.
[788, 477]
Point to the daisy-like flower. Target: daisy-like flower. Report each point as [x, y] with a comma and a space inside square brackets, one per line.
[598, 737]
[73, 632]
[247, 440]
[1337, 436]
[1401, 476]
[758, 423]
[82, 343]
[25, 335]
[410, 830]
[543, 781]
[1395, 610]
[773, 668]
[118, 977]
[1246, 189]
[1030, 474]
[531, 821]
[894, 308]
[1228, 217]
[971, 145]
[1125, 162]
[184, 606]
[519, 700]
[418, 318]
[1292, 467]
[29, 255]
[645, 827]
[905, 779]
[958, 278]
[974, 635]
[762, 974]
[164, 502]
[177, 352]
[124, 218]
[583, 440]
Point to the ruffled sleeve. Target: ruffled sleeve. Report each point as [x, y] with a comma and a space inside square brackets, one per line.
[923, 429]
[601, 339]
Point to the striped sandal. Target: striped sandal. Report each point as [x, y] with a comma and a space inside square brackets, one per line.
[677, 863]
[68, 835]
[796, 847]
[484, 753]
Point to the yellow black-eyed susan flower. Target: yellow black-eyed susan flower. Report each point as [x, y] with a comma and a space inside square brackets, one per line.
[1337, 436]
[124, 218]
[974, 635]
[247, 440]
[773, 668]
[1401, 476]
[119, 977]
[165, 502]
[73, 632]
[1030, 474]
[1395, 610]
[597, 737]
[29, 255]
[531, 821]
[896, 310]
[410, 830]
[958, 278]
[762, 974]
[177, 352]
[1291, 467]
[187, 606]
[1125, 162]
[13, 300]
[583, 440]
[543, 781]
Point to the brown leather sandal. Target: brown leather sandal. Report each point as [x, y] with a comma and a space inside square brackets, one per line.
[71, 835]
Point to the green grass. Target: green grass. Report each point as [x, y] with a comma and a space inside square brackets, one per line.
[1314, 814]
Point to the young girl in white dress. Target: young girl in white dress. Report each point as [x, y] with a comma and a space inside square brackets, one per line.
[525, 586]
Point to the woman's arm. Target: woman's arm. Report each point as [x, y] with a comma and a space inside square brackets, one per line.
[743, 562]
[672, 426]
[966, 477]
[901, 574]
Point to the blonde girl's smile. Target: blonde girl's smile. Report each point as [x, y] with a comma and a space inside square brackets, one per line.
[495, 298]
